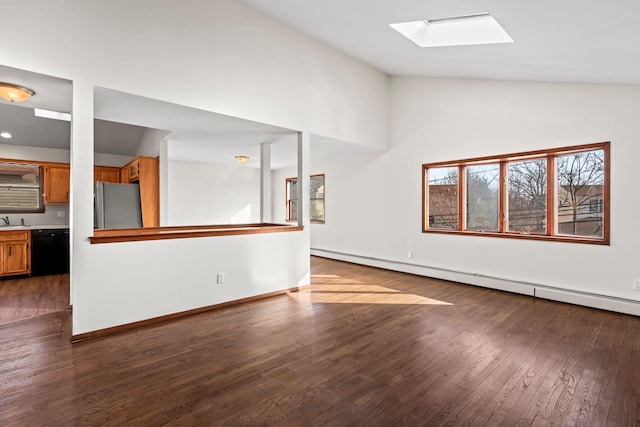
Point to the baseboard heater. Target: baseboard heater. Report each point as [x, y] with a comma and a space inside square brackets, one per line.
[603, 302]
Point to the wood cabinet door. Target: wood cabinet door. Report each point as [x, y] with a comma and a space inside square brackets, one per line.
[15, 258]
[106, 174]
[124, 174]
[56, 183]
[134, 170]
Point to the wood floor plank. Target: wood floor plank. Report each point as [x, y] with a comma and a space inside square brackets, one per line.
[347, 352]
[26, 297]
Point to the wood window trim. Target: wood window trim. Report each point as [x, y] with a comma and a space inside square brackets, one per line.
[551, 200]
[288, 201]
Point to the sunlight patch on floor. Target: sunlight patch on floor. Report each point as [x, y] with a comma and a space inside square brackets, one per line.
[338, 290]
[331, 279]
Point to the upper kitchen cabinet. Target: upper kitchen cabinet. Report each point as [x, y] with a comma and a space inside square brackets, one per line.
[56, 183]
[145, 171]
[133, 171]
[106, 174]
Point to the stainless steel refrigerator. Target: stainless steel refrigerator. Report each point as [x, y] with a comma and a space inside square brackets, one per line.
[117, 205]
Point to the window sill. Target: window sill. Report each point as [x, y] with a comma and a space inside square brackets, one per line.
[164, 233]
[544, 237]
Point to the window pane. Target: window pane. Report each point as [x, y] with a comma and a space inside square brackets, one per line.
[316, 195]
[19, 198]
[293, 189]
[316, 188]
[482, 197]
[581, 194]
[443, 198]
[19, 187]
[293, 210]
[527, 187]
[316, 210]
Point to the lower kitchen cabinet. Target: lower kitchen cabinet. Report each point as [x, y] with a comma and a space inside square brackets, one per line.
[14, 252]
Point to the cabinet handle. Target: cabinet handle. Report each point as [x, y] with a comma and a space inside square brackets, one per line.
[67, 195]
[10, 247]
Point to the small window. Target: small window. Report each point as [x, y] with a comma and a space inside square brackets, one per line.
[20, 188]
[557, 194]
[316, 199]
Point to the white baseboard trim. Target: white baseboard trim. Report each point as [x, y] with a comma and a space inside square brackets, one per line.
[603, 302]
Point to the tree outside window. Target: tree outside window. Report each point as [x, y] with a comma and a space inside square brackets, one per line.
[557, 194]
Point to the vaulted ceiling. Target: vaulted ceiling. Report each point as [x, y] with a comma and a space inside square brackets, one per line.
[587, 41]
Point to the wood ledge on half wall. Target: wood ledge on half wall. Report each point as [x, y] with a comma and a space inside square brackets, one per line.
[163, 233]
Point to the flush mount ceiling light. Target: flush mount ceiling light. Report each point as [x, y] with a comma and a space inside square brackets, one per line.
[48, 114]
[15, 93]
[242, 159]
[479, 28]
[6, 135]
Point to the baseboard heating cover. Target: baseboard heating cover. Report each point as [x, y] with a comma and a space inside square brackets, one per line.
[603, 302]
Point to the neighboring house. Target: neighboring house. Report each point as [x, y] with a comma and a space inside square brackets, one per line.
[580, 210]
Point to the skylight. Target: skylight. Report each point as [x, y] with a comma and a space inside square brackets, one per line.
[48, 114]
[479, 28]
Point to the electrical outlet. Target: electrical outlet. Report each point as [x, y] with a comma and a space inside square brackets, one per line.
[61, 214]
[220, 278]
[636, 284]
[410, 254]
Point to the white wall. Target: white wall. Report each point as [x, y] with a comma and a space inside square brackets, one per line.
[215, 55]
[375, 211]
[201, 193]
[151, 142]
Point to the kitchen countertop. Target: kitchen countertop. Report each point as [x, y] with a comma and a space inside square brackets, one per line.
[34, 227]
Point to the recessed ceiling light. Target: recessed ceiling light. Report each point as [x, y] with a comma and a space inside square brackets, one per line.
[479, 28]
[5, 135]
[48, 114]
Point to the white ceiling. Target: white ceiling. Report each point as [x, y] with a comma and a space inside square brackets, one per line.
[587, 41]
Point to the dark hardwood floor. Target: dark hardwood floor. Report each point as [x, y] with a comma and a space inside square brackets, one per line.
[27, 297]
[362, 347]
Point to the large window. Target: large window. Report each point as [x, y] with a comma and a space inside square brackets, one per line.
[316, 199]
[20, 188]
[559, 194]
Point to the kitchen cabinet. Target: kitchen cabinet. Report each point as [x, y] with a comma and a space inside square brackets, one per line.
[145, 171]
[133, 170]
[14, 252]
[106, 174]
[56, 183]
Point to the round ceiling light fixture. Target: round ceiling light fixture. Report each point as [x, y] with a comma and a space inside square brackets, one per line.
[242, 159]
[15, 93]
[5, 135]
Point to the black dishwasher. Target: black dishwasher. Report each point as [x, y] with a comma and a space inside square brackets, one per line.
[49, 251]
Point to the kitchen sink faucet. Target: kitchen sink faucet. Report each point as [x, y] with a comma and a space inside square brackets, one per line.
[6, 220]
